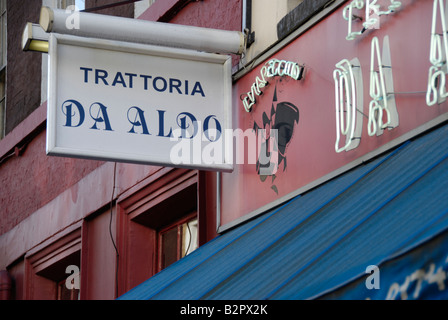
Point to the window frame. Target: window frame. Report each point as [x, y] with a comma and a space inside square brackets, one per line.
[73, 293]
[298, 16]
[46, 265]
[255, 30]
[178, 224]
[144, 210]
[315, 11]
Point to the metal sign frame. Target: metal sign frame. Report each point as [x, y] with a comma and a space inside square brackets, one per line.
[222, 104]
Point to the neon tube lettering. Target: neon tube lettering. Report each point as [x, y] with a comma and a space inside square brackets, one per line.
[348, 95]
[381, 85]
[271, 69]
[372, 15]
[436, 91]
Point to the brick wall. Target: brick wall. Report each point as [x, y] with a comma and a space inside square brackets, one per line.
[31, 180]
[126, 10]
[23, 68]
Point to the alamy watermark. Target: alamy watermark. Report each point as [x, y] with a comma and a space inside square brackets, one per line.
[373, 280]
[73, 280]
[258, 147]
[73, 21]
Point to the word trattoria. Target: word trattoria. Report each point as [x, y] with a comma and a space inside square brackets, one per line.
[146, 82]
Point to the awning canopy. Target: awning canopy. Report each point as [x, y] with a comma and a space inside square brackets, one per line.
[319, 244]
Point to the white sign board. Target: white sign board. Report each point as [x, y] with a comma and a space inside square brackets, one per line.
[128, 102]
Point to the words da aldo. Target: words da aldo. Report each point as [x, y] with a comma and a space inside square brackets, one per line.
[136, 117]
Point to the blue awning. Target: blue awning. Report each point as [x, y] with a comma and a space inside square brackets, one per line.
[319, 243]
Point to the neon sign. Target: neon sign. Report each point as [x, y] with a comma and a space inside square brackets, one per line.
[381, 89]
[436, 91]
[348, 96]
[372, 15]
[373, 12]
[348, 15]
[271, 69]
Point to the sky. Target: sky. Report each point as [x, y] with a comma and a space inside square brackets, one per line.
[80, 4]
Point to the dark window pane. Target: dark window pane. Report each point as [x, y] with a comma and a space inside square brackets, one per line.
[169, 247]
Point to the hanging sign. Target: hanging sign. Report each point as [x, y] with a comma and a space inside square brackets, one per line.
[137, 103]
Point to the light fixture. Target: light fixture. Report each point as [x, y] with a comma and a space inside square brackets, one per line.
[34, 38]
[100, 26]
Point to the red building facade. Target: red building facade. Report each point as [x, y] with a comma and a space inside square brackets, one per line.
[114, 236]
[342, 85]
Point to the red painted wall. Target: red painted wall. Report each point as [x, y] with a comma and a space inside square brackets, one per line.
[31, 180]
[43, 196]
[310, 154]
[224, 15]
[49, 176]
[23, 68]
[98, 271]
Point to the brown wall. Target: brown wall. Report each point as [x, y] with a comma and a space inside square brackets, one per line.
[23, 68]
[126, 10]
[33, 179]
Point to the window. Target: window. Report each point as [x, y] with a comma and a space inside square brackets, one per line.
[260, 18]
[66, 292]
[80, 4]
[177, 240]
[3, 49]
[63, 4]
[159, 224]
[267, 22]
[54, 269]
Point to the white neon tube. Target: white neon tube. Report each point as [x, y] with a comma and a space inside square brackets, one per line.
[378, 93]
[345, 98]
[141, 31]
[437, 57]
